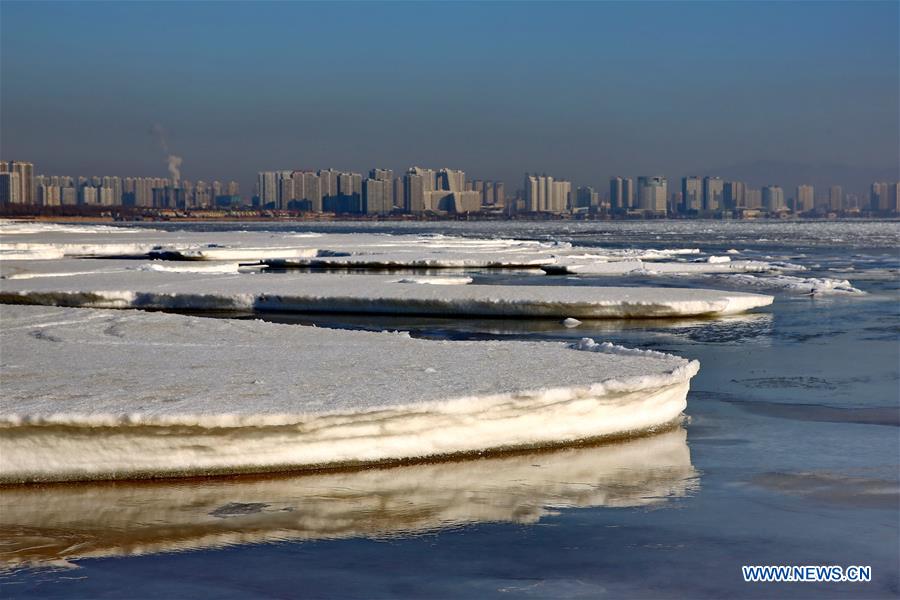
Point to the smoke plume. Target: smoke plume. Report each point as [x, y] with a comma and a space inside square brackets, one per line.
[173, 161]
[175, 167]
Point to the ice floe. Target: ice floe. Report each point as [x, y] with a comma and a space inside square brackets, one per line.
[642, 267]
[814, 286]
[371, 294]
[152, 394]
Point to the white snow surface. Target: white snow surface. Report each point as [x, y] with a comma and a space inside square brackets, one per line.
[150, 394]
[372, 294]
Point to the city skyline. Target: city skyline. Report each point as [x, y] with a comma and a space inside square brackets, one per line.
[421, 191]
[796, 93]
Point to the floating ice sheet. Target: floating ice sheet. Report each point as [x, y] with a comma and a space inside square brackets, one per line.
[143, 395]
[372, 294]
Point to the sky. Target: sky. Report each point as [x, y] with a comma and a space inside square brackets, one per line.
[581, 90]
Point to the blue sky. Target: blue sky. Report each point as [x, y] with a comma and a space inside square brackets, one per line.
[579, 90]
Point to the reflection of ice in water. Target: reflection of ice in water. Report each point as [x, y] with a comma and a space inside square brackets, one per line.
[52, 524]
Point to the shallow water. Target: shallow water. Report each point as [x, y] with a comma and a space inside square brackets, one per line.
[789, 456]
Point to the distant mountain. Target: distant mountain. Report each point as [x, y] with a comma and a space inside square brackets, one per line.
[790, 174]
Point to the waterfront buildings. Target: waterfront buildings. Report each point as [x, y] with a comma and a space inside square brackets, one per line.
[421, 191]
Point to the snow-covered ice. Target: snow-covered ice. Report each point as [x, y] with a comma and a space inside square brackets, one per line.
[815, 286]
[151, 394]
[372, 294]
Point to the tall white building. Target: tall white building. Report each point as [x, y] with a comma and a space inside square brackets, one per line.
[713, 189]
[804, 198]
[691, 193]
[835, 198]
[24, 180]
[417, 183]
[267, 182]
[546, 194]
[773, 198]
[652, 193]
[10, 188]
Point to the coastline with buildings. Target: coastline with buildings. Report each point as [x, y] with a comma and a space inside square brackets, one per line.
[426, 193]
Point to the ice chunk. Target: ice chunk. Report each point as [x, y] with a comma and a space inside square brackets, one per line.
[437, 280]
[714, 264]
[190, 267]
[152, 394]
[814, 286]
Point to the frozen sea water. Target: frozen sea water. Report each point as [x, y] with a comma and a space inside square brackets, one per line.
[793, 442]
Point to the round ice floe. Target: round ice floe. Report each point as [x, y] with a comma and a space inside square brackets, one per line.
[161, 394]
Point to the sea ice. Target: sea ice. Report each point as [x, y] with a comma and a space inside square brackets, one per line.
[371, 294]
[152, 394]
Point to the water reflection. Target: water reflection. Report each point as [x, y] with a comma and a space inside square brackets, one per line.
[53, 524]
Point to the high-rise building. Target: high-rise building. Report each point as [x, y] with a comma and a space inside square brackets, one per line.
[753, 198]
[835, 198]
[499, 193]
[585, 197]
[10, 188]
[487, 194]
[885, 197]
[713, 188]
[88, 195]
[377, 196]
[312, 192]
[734, 195]
[773, 198]
[804, 198]
[451, 180]
[24, 181]
[652, 193]
[386, 176]
[621, 193]
[399, 195]
[267, 184]
[691, 194]
[417, 183]
[546, 194]
[285, 191]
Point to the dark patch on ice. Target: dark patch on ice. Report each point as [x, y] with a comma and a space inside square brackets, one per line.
[877, 415]
[114, 330]
[834, 489]
[40, 334]
[236, 509]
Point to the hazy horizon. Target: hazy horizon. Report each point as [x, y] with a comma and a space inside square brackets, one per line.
[764, 92]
